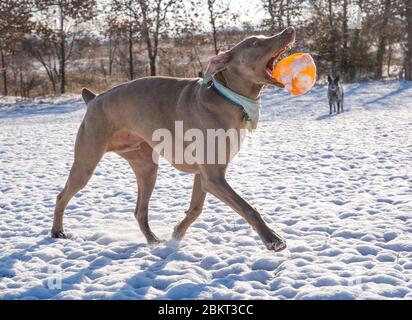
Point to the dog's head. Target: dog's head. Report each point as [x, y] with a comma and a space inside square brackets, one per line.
[254, 59]
[333, 83]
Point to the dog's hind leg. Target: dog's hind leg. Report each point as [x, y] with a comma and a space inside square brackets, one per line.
[195, 209]
[89, 149]
[145, 170]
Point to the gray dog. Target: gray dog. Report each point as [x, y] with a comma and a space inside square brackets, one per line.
[124, 119]
[335, 94]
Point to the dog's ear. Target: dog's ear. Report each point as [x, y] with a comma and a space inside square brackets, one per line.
[329, 79]
[218, 63]
[337, 79]
[224, 56]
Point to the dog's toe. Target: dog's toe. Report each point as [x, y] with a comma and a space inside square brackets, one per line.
[156, 242]
[59, 235]
[277, 245]
[177, 236]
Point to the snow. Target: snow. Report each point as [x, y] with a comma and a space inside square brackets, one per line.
[338, 188]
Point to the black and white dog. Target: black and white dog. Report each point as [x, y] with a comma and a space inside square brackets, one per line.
[335, 94]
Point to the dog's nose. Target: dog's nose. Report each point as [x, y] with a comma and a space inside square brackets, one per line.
[290, 30]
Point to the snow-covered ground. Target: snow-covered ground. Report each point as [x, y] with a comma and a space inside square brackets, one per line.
[338, 188]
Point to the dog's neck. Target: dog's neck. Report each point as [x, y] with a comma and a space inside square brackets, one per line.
[244, 88]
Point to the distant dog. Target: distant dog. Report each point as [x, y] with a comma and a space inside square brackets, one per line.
[335, 94]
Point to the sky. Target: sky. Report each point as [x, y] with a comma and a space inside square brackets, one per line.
[248, 10]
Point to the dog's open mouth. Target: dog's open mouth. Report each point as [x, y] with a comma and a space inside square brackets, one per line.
[270, 66]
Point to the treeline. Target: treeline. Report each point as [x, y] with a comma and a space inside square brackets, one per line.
[58, 46]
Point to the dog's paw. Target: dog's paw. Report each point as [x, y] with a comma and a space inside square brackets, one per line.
[156, 242]
[59, 234]
[277, 245]
[178, 233]
[177, 236]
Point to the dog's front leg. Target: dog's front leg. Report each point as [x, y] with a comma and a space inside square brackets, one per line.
[214, 182]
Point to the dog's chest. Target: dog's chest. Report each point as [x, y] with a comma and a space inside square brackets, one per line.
[335, 95]
[236, 143]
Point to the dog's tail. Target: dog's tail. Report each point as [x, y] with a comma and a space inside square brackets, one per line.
[88, 95]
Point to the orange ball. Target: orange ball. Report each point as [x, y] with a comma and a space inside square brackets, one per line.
[296, 72]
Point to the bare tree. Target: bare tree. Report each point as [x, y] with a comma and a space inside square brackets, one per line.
[113, 45]
[332, 33]
[57, 30]
[152, 21]
[139, 33]
[14, 25]
[122, 23]
[354, 52]
[382, 38]
[219, 13]
[323, 28]
[282, 13]
[408, 51]
[42, 49]
[345, 38]
[190, 35]
[216, 13]
[24, 77]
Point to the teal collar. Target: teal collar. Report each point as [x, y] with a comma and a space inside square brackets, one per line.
[251, 107]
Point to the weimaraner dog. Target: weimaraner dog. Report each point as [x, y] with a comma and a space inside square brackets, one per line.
[124, 119]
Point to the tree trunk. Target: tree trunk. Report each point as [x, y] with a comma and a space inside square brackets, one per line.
[4, 73]
[280, 15]
[110, 66]
[213, 25]
[62, 66]
[355, 60]
[345, 36]
[382, 40]
[390, 52]
[214, 32]
[408, 54]
[271, 9]
[288, 13]
[332, 44]
[22, 91]
[131, 63]
[152, 63]
[112, 49]
[355, 56]
[215, 39]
